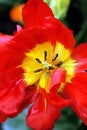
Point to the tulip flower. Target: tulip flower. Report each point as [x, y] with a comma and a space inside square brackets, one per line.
[41, 68]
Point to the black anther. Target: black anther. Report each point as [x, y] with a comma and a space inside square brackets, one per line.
[59, 64]
[38, 70]
[55, 57]
[51, 68]
[45, 55]
[38, 60]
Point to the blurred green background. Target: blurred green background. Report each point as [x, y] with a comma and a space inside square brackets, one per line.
[74, 15]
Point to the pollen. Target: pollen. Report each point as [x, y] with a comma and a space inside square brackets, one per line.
[46, 65]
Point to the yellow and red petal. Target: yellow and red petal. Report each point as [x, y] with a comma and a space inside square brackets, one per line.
[59, 32]
[27, 39]
[43, 18]
[35, 13]
[42, 115]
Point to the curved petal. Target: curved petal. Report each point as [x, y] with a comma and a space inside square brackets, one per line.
[9, 57]
[3, 117]
[77, 91]
[42, 115]
[35, 11]
[29, 98]
[44, 18]
[27, 39]
[57, 77]
[10, 103]
[12, 90]
[80, 78]
[55, 98]
[7, 80]
[4, 41]
[80, 55]
[62, 34]
[79, 102]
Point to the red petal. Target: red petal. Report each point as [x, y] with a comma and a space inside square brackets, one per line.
[80, 78]
[30, 96]
[2, 118]
[79, 102]
[80, 52]
[42, 115]
[57, 77]
[27, 39]
[35, 13]
[78, 92]
[80, 55]
[62, 34]
[7, 80]
[4, 41]
[9, 57]
[54, 98]
[43, 17]
[10, 103]
[12, 91]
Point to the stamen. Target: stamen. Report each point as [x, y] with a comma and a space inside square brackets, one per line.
[45, 55]
[38, 70]
[59, 64]
[51, 68]
[55, 57]
[38, 60]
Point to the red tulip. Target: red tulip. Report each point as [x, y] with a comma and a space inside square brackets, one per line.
[40, 67]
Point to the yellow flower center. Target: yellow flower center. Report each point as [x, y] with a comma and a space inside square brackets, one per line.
[41, 61]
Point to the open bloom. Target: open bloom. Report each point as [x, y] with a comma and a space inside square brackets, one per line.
[40, 67]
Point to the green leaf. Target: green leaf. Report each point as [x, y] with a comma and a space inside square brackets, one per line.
[84, 8]
[10, 2]
[68, 121]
